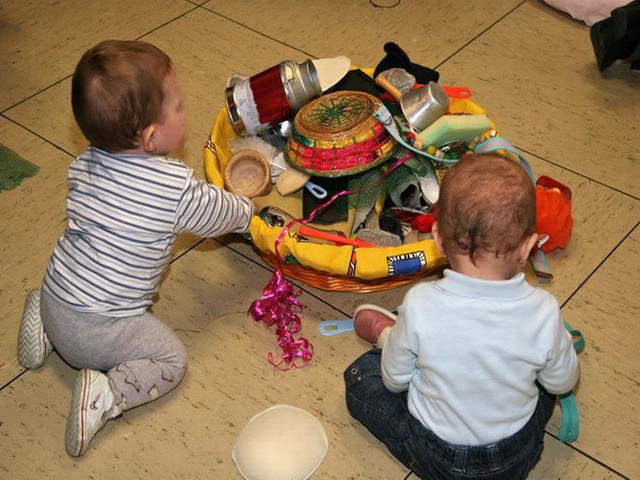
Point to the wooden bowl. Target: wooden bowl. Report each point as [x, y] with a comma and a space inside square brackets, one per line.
[248, 173]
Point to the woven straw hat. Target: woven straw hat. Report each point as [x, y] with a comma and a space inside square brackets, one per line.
[337, 134]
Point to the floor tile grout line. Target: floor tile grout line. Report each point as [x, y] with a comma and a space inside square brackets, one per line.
[590, 457]
[312, 294]
[526, 151]
[26, 99]
[348, 315]
[201, 6]
[575, 172]
[13, 379]
[268, 268]
[184, 14]
[480, 34]
[20, 102]
[251, 29]
[187, 250]
[581, 452]
[408, 475]
[36, 134]
[599, 265]
[178, 257]
[3, 115]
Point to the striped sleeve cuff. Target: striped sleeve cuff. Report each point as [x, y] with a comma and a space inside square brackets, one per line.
[209, 211]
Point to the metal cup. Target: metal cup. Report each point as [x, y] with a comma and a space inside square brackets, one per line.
[424, 105]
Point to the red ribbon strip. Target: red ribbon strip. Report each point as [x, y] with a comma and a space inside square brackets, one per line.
[279, 302]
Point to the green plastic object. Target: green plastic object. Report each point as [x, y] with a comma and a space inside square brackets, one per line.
[14, 168]
[450, 128]
[578, 339]
[570, 424]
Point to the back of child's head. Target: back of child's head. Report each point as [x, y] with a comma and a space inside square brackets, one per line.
[117, 91]
[486, 206]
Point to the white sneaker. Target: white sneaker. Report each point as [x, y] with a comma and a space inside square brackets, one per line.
[92, 405]
[33, 344]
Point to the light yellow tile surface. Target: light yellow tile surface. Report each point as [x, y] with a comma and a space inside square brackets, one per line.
[535, 72]
[561, 461]
[42, 41]
[428, 30]
[606, 310]
[206, 50]
[203, 72]
[602, 218]
[192, 431]
[33, 217]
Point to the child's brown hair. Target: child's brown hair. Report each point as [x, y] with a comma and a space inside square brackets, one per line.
[487, 205]
[116, 92]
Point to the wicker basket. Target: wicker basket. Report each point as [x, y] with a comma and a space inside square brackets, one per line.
[341, 283]
[316, 265]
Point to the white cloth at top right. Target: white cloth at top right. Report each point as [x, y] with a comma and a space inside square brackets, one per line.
[589, 11]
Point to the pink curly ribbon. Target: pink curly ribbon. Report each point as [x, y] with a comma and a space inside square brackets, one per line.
[279, 302]
[279, 305]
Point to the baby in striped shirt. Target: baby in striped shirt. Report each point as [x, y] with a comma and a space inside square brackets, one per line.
[127, 203]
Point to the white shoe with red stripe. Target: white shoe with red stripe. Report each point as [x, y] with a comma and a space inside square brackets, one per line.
[92, 405]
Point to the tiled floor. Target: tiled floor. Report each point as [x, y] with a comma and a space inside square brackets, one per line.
[531, 67]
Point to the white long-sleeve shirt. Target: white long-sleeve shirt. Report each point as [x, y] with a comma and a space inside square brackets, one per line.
[124, 213]
[469, 352]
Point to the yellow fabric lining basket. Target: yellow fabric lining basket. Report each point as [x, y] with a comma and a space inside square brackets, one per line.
[330, 267]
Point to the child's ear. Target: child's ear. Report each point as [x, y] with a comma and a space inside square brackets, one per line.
[148, 138]
[435, 231]
[526, 246]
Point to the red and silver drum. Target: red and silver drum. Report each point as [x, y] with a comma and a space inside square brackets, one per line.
[262, 101]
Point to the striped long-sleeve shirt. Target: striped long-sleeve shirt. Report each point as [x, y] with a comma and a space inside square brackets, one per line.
[124, 213]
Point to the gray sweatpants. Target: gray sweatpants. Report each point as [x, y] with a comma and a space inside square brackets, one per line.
[141, 355]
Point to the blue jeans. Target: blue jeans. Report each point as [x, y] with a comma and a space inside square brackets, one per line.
[387, 417]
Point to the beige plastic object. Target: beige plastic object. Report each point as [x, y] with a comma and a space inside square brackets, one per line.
[282, 442]
[290, 181]
[248, 173]
[331, 70]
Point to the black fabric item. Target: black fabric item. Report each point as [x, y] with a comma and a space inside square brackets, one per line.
[334, 213]
[397, 58]
[634, 58]
[357, 81]
[617, 37]
[390, 224]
